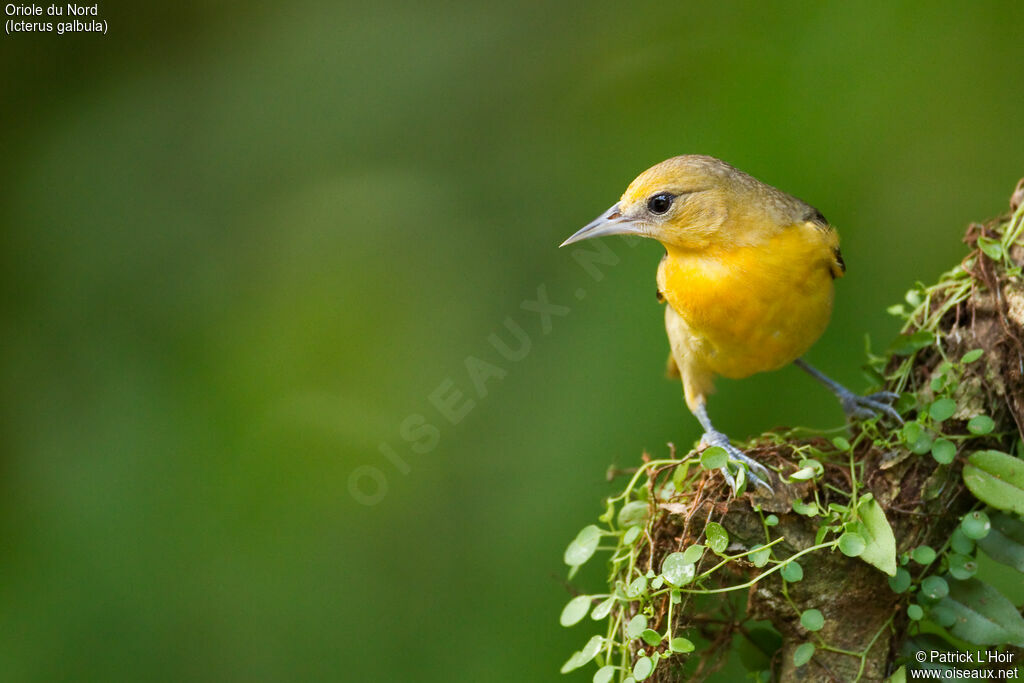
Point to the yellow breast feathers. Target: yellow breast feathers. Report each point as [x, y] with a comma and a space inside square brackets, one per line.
[754, 308]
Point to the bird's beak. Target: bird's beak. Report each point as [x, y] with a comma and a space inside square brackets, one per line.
[611, 222]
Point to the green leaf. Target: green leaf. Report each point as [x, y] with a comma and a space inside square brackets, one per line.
[901, 582]
[976, 525]
[852, 544]
[911, 431]
[972, 356]
[935, 587]
[806, 509]
[792, 572]
[881, 544]
[633, 513]
[804, 474]
[760, 557]
[603, 609]
[981, 424]
[812, 619]
[575, 610]
[632, 533]
[643, 668]
[583, 546]
[717, 537]
[803, 653]
[636, 626]
[693, 553]
[714, 458]
[841, 443]
[944, 451]
[997, 479]
[591, 649]
[942, 409]
[983, 615]
[959, 542]
[681, 645]
[574, 662]
[771, 520]
[651, 637]
[898, 676]
[915, 612]
[1005, 542]
[677, 570]
[961, 566]
[904, 345]
[604, 674]
[636, 587]
[992, 248]
[923, 554]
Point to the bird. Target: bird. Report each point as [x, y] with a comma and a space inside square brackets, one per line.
[747, 281]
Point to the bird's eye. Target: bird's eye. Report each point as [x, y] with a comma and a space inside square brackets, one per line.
[660, 203]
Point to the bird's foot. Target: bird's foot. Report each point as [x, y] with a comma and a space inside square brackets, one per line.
[866, 407]
[754, 471]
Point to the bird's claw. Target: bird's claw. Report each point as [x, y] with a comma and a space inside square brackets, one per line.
[866, 407]
[755, 472]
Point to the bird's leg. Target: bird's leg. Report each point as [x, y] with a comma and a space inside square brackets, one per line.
[757, 473]
[856, 407]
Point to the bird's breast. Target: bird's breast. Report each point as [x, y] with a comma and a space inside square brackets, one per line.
[752, 308]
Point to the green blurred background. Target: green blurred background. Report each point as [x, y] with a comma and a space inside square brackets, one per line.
[243, 244]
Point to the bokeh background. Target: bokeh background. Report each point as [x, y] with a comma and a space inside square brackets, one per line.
[243, 244]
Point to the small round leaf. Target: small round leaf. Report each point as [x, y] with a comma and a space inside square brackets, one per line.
[681, 645]
[637, 587]
[923, 554]
[942, 409]
[915, 612]
[677, 571]
[604, 674]
[935, 587]
[575, 610]
[692, 554]
[717, 537]
[583, 546]
[962, 567]
[960, 542]
[632, 533]
[812, 619]
[792, 572]
[603, 609]
[803, 654]
[633, 513]
[972, 356]
[651, 637]
[714, 458]
[901, 582]
[976, 525]
[852, 544]
[981, 424]
[943, 450]
[636, 626]
[643, 668]
[760, 556]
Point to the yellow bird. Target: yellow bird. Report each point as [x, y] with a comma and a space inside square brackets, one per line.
[747, 277]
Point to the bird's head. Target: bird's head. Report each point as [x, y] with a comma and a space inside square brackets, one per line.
[681, 202]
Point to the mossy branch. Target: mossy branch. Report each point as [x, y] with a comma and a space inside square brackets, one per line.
[865, 535]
